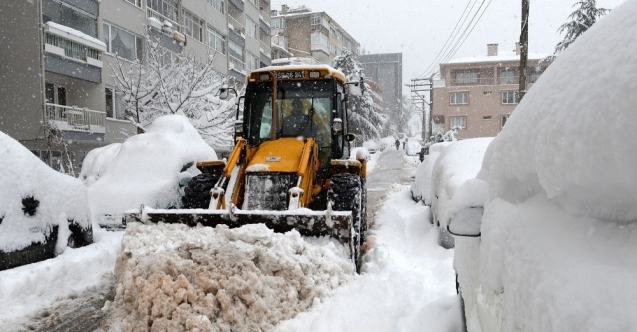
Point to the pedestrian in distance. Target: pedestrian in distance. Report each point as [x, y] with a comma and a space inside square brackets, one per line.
[405, 143]
[397, 144]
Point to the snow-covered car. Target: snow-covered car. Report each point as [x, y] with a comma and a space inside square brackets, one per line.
[150, 168]
[381, 144]
[457, 163]
[412, 148]
[556, 245]
[370, 146]
[420, 188]
[42, 211]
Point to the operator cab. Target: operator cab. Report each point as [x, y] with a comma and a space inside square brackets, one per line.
[309, 103]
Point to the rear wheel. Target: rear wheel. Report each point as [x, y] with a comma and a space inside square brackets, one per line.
[197, 192]
[345, 193]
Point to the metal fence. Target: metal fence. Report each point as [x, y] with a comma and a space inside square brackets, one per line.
[73, 49]
[76, 117]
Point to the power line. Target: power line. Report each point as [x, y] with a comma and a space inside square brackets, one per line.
[450, 36]
[465, 34]
[463, 37]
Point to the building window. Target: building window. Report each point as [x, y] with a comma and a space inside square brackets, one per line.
[505, 117]
[216, 41]
[165, 8]
[137, 3]
[458, 122]
[510, 97]
[466, 77]
[67, 15]
[320, 39]
[218, 5]
[252, 62]
[487, 117]
[277, 23]
[508, 76]
[459, 98]
[193, 26]
[115, 104]
[251, 28]
[235, 50]
[122, 43]
[315, 19]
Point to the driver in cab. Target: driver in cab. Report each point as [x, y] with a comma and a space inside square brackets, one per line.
[297, 123]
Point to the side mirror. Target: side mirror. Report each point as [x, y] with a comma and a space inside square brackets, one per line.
[350, 137]
[223, 92]
[337, 126]
[238, 128]
[466, 222]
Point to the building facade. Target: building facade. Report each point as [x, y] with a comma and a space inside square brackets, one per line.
[303, 33]
[478, 94]
[387, 71]
[55, 69]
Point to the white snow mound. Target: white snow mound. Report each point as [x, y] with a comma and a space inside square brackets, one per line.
[145, 169]
[176, 278]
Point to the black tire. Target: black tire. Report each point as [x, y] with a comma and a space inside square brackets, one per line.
[197, 192]
[79, 236]
[345, 193]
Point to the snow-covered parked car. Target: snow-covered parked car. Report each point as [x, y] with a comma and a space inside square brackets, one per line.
[370, 146]
[150, 168]
[556, 246]
[420, 188]
[412, 147]
[42, 211]
[457, 163]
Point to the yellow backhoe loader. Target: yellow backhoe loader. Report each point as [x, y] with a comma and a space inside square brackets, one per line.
[290, 167]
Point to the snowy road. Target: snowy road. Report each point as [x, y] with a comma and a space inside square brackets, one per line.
[407, 282]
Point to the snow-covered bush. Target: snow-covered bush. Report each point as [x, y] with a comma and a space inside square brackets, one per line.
[146, 169]
[37, 201]
[558, 249]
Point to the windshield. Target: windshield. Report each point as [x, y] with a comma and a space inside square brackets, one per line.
[303, 111]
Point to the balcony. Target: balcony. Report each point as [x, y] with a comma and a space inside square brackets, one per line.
[72, 118]
[72, 53]
[161, 18]
[237, 4]
[237, 27]
[265, 27]
[467, 82]
[265, 59]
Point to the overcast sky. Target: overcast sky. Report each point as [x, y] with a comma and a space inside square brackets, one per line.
[419, 28]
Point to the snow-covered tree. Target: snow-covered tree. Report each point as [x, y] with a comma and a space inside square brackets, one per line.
[581, 19]
[364, 120]
[170, 83]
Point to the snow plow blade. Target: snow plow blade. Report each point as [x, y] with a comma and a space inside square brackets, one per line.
[336, 224]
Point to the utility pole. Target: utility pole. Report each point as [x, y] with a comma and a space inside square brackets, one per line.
[418, 89]
[524, 47]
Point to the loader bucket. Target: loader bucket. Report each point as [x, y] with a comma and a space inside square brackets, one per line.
[336, 224]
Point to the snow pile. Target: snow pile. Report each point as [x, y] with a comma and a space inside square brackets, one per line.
[176, 278]
[146, 169]
[559, 238]
[420, 189]
[59, 198]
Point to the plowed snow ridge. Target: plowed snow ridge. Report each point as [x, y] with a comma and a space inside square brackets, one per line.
[176, 278]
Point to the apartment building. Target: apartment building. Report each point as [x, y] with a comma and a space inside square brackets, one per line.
[478, 94]
[307, 34]
[387, 71]
[55, 66]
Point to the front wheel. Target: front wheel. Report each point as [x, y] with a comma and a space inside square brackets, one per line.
[197, 192]
[346, 194]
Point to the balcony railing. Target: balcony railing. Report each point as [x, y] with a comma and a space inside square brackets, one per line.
[76, 118]
[465, 82]
[71, 49]
[162, 18]
[236, 64]
[237, 26]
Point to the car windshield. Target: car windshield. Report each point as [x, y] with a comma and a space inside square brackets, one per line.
[310, 117]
